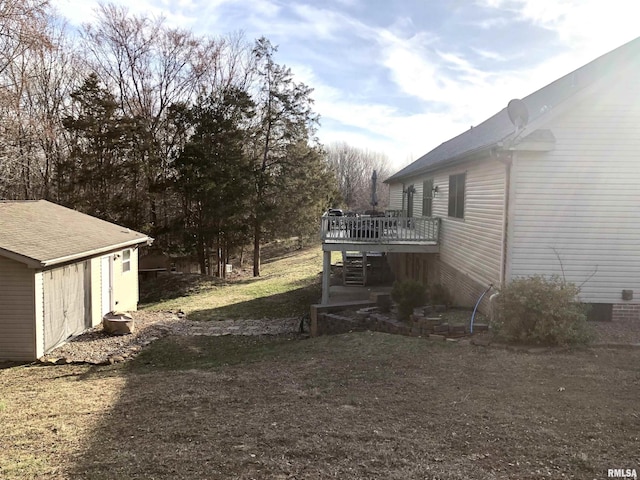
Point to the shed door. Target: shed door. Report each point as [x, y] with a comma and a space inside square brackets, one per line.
[67, 302]
[107, 284]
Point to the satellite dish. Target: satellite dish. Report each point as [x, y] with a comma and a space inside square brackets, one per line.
[518, 113]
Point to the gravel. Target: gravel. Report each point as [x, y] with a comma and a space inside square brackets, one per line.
[97, 347]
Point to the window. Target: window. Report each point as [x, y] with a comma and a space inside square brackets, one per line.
[456, 195]
[427, 198]
[126, 260]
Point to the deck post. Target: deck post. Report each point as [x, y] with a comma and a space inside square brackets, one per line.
[326, 275]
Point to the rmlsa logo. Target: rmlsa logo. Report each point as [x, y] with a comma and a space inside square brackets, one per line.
[622, 473]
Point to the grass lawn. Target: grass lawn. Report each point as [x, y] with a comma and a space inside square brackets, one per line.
[362, 405]
[286, 288]
[354, 406]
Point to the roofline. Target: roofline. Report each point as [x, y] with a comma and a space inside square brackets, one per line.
[30, 262]
[35, 263]
[447, 162]
[506, 143]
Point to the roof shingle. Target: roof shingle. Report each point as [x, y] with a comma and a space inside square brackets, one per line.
[41, 233]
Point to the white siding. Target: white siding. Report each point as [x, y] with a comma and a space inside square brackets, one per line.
[396, 201]
[96, 292]
[417, 199]
[395, 196]
[473, 245]
[583, 199]
[17, 311]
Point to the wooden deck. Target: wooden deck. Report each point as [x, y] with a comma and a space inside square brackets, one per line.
[408, 234]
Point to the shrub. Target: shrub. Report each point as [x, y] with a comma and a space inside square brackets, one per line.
[540, 310]
[408, 295]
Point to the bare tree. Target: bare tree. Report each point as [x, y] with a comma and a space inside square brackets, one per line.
[353, 168]
[22, 26]
[33, 77]
[153, 67]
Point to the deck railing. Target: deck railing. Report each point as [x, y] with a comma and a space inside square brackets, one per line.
[365, 229]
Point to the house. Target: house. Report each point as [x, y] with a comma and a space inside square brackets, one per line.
[548, 185]
[60, 272]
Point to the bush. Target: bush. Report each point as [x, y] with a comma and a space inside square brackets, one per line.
[540, 310]
[408, 295]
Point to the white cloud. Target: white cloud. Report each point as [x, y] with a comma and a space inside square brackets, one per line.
[586, 25]
[458, 82]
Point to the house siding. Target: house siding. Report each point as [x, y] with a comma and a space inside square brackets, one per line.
[470, 255]
[473, 245]
[395, 196]
[17, 311]
[576, 208]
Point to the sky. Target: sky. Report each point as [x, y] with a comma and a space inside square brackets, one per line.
[402, 76]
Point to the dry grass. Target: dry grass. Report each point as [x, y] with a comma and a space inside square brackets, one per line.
[352, 406]
[288, 285]
[355, 406]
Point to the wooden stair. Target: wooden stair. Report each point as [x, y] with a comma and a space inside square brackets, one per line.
[353, 269]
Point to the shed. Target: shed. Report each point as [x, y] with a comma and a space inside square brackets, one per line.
[60, 272]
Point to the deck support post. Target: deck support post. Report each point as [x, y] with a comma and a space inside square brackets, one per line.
[326, 276]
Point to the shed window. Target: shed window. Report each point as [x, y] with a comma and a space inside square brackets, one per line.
[126, 260]
[456, 195]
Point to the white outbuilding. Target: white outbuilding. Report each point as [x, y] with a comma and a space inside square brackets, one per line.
[60, 272]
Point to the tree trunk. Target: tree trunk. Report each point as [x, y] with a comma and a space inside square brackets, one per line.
[256, 247]
[202, 256]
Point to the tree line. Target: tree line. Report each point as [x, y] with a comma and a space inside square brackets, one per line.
[207, 144]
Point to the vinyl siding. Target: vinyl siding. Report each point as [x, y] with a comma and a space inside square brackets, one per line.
[17, 311]
[577, 208]
[396, 200]
[96, 292]
[473, 245]
[395, 196]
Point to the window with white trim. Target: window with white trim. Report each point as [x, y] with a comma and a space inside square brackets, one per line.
[126, 260]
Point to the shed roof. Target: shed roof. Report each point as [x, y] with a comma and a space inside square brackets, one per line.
[40, 233]
[539, 104]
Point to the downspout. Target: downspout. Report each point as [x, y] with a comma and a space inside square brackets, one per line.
[506, 158]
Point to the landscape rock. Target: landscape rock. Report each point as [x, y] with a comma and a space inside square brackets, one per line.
[118, 323]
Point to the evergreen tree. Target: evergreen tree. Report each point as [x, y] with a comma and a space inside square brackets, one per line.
[98, 176]
[213, 176]
[285, 123]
